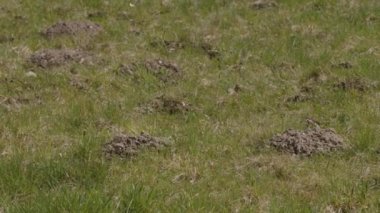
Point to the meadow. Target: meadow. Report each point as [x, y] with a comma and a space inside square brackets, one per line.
[216, 78]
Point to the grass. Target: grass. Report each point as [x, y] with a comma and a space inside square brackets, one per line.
[51, 136]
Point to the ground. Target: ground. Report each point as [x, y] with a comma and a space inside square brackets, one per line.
[216, 79]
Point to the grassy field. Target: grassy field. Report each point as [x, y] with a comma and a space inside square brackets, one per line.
[247, 73]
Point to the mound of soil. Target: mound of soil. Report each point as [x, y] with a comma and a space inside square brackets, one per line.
[126, 146]
[164, 70]
[72, 28]
[308, 142]
[165, 104]
[262, 4]
[57, 57]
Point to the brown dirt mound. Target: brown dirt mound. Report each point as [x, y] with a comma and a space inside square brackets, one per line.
[57, 57]
[72, 28]
[308, 142]
[126, 146]
[164, 70]
[165, 104]
[262, 4]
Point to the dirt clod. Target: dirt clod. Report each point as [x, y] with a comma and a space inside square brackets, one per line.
[262, 4]
[57, 57]
[308, 142]
[127, 146]
[72, 28]
[165, 104]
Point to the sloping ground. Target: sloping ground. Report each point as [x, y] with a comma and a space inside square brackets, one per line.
[230, 83]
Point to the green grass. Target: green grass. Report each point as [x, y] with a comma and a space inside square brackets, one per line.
[51, 138]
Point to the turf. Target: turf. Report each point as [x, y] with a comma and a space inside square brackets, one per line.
[54, 125]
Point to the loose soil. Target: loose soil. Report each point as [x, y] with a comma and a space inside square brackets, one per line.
[72, 28]
[308, 142]
[127, 146]
[57, 57]
[165, 104]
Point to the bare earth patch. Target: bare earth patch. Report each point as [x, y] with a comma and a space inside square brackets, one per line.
[165, 104]
[72, 28]
[57, 57]
[127, 146]
[308, 142]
